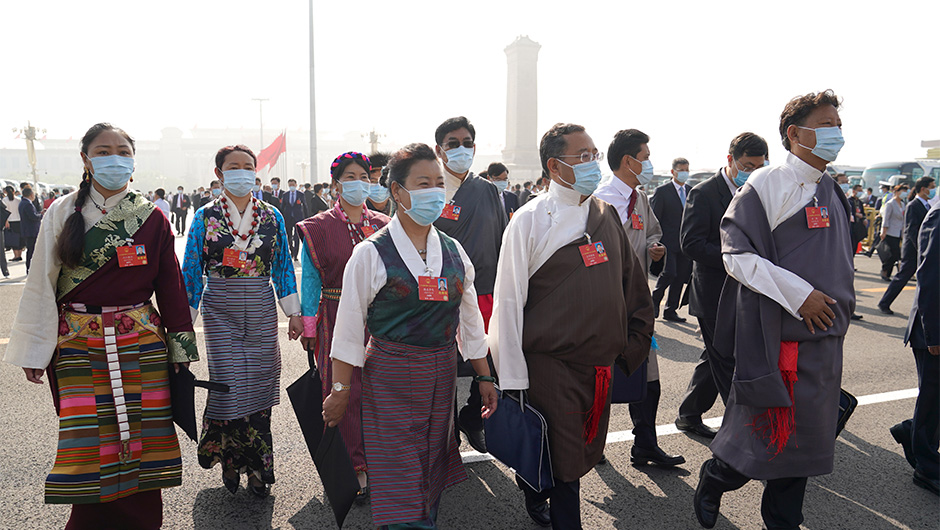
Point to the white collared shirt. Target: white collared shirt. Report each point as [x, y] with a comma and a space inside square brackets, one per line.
[783, 190]
[617, 193]
[536, 231]
[451, 185]
[365, 276]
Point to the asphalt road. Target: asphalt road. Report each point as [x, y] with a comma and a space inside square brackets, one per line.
[870, 488]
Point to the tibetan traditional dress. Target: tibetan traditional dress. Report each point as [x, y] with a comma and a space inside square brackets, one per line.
[240, 318]
[329, 238]
[106, 352]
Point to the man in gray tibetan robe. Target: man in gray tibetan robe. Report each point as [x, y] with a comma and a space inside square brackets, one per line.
[783, 313]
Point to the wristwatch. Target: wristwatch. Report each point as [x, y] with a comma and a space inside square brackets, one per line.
[339, 387]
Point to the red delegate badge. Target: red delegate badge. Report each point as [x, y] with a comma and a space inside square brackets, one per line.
[593, 253]
[132, 256]
[817, 217]
[432, 288]
[367, 230]
[637, 221]
[234, 258]
[451, 212]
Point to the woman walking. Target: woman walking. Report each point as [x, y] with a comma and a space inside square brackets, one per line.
[411, 286]
[328, 240]
[892, 214]
[108, 363]
[12, 238]
[240, 244]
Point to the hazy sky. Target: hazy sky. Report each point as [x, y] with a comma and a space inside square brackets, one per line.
[691, 74]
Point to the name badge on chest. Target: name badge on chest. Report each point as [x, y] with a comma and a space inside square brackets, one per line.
[132, 255]
[637, 221]
[234, 258]
[451, 212]
[817, 217]
[432, 289]
[367, 230]
[593, 253]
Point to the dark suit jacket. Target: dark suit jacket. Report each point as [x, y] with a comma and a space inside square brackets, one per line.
[196, 198]
[524, 196]
[667, 206]
[913, 217]
[510, 201]
[293, 211]
[700, 240]
[29, 219]
[923, 327]
[174, 207]
[317, 205]
[4, 215]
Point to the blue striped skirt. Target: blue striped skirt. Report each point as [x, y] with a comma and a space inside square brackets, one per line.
[240, 318]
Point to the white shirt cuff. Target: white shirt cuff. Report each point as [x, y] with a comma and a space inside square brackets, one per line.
[290, 304]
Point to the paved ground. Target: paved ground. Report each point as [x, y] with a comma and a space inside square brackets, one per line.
[870, 489]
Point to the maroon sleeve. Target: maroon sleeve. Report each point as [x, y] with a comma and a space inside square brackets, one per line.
[168, 284]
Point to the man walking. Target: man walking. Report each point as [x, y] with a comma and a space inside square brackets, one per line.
[668, 203]
[180, 209]
[294, 209]
[924, 190]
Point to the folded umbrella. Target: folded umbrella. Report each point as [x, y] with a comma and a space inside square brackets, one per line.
[326, 446]
[183, 397]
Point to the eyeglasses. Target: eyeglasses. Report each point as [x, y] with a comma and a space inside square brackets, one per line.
[585, 157]
[454, 144]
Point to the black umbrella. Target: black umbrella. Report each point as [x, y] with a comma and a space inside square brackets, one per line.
[326, 446]
[183, 396]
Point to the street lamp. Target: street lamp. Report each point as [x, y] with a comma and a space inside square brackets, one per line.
[29, 132]
[261, 119]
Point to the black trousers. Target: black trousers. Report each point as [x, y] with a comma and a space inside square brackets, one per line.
[781, 504]
[293, 237]
[564, 501]
[3, 257]
[711, 377]
[643, 415]
[925, 425]
[905, 272]
[181, 221]
[675, 274]
[894, 244]
[30, 246]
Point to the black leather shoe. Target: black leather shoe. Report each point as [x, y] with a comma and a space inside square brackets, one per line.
[706, 502]
[231, 484]
[699, 428]
[476, 439]
[640, 456]
[672, 317]
[261, 491]
[602, 461]
[930, 484]
[855, 316]
[902, 435]
[538, 511]
[885, 309]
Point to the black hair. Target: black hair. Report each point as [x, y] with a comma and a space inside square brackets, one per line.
[9, 192]
[229, 149]
[317, 188]
[679, 162]
[798, 108]
[343, 162]
[527, 184]
[160, 192]
[400, 164]
[216, 182]
[70, 246]
[553, 143]
[379, 159]
[28, 192]
[921, 183]
[452, 125]
[496, 168]
[869, 190]
[626, 142]
[483, 174]
[383, 180]
[24, 185]
[278, 179]
[747, 144]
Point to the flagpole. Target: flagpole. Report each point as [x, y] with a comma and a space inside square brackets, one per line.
[314, 164]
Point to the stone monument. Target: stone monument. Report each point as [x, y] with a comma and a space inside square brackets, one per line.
[521, 154]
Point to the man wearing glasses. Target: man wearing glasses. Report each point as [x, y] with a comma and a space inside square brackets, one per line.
[564, 311]
[475, 217]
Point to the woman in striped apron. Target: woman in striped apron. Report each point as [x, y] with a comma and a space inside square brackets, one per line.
[240, 244]
[329, 238]
[411, 287]
[107, 351]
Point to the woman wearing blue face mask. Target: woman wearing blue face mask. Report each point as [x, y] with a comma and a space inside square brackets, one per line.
[411, 286]
[86, 318]
[328, 240]
[241, 244]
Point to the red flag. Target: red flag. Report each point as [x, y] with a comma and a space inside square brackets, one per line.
[269, 155]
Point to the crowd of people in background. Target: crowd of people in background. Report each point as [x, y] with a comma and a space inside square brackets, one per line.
[415, 270]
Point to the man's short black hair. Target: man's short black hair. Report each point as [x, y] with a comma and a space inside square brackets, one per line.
[922, 183]
[800, 107]
[276, 179]
[451, 125]
[747, 144]
[626, 142]
[496, 168]
[553, 142]
[317, 188]
[379, 159]
[527, 185]
[679, 162]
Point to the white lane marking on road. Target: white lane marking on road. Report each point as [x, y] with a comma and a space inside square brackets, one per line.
[895, 523]
[469, 457]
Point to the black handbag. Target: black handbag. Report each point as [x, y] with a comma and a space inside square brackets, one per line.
[847, 404]
[628, 388]
[517, 436]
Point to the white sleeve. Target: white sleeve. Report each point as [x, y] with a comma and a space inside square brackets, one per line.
[363, 278]
[762, 276]
[471, 337]
[509, 298]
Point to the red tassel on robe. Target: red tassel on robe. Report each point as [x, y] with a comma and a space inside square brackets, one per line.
[777, 423]
[601, 389]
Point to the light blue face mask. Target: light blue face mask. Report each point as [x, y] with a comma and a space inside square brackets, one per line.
[829, 142]
[378, 193]
[355, 191]
[239, 182]
[845, 187]
[216, 192]
[501, 185]
[682, 176]
[646, 174]
[256, 188]
[426, 205]
[292, 188]
[742, 176]
[112, 171]
[587, 175]
[931, 194]
[459, 159]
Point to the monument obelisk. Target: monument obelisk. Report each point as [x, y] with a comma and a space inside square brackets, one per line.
[521, 154]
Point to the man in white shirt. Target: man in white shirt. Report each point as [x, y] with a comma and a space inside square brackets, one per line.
[644, 233]
[570, 299]
[783, 314]
[160, 202]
